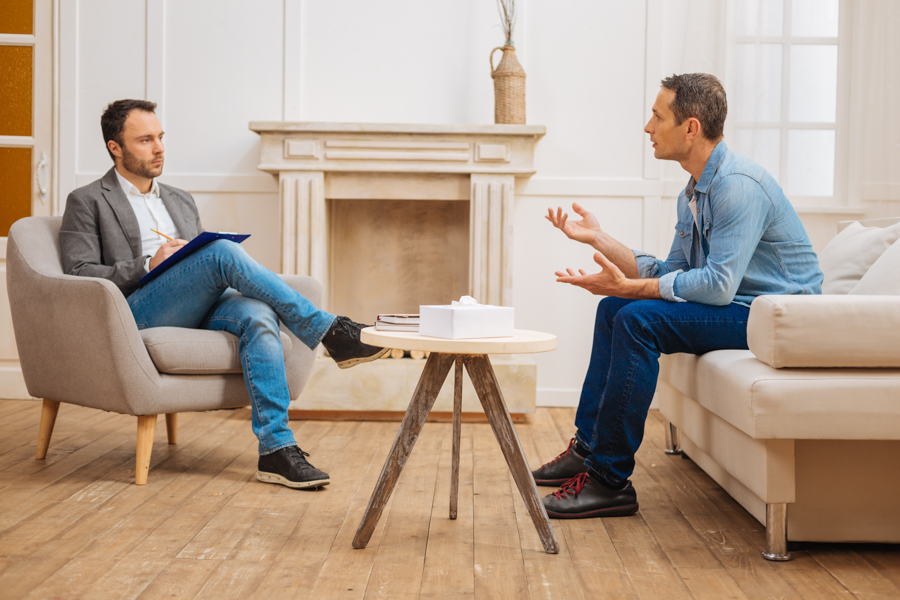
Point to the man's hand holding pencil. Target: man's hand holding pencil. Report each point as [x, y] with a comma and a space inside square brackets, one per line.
[166, 250]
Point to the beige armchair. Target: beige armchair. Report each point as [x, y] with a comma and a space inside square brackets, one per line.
[78, 343]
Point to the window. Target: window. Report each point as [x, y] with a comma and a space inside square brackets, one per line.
[785, 104]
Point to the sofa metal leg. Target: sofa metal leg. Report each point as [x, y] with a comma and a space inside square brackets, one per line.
[776, 532]
[673, 440]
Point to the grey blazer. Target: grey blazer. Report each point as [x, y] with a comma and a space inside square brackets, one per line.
[100, 236]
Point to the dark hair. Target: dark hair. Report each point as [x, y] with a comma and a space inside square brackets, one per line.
[113, 120]
[701, 96]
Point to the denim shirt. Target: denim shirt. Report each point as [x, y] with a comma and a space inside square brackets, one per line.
[750, 240]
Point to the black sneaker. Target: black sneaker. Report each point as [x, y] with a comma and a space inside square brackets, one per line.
[583, 497]
[342, 343]
[561, 469]
[288, 466]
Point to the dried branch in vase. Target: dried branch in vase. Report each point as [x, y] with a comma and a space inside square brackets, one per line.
[507, 10]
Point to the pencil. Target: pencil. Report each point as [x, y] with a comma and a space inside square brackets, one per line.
[161, 233]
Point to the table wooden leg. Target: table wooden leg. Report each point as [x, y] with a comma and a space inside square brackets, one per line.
[485, 381]
[457, 430]
[430, 383]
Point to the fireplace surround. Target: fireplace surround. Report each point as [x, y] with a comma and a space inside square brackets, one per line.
[391, 216]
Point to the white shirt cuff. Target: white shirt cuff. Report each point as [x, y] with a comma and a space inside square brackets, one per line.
[147, 264]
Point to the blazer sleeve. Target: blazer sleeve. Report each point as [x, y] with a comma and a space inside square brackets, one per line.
[82, 249]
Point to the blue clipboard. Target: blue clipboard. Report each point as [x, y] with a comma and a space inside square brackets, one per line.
[192, 246]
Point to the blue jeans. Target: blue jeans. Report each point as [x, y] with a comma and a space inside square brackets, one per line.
[629, 336]
[221, 288]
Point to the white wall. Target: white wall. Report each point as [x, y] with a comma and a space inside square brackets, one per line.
[593, 72]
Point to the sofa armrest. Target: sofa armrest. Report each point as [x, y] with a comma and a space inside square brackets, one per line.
[825, 331]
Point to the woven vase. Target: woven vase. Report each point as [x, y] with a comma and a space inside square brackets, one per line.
[509, 87]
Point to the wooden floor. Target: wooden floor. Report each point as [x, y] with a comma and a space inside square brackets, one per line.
[74, 525]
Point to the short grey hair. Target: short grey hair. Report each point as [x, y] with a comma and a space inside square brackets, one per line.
[699, 95]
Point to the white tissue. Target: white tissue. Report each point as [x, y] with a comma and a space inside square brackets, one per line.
[465, 301]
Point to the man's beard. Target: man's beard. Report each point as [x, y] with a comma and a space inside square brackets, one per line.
[140, 168]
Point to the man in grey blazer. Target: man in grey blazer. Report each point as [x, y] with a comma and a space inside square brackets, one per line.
[115, 228]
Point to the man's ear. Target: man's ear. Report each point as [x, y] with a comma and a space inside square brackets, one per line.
[114, 148]
[693, 128]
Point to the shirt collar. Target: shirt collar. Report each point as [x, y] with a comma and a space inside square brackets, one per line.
[712, 165]
[129, 188]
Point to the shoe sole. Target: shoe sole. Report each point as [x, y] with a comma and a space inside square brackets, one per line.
[297, 485]
[613, 511]
[352, 362]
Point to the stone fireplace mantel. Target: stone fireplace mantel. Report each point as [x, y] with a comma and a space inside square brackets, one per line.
[328, 171]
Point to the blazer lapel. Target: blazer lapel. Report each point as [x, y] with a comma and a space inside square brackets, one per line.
[116, 198]
[173, 205]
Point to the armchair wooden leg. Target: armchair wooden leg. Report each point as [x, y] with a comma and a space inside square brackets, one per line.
[172, 427]
[146, 428]
[48, 420]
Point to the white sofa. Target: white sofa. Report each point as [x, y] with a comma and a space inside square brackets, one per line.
[803, 429]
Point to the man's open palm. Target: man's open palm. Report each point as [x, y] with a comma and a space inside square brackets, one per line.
[586, 230]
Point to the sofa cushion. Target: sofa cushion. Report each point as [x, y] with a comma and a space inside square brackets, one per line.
[767, 403]
[182, 351]
[883, 277]
[847, 257]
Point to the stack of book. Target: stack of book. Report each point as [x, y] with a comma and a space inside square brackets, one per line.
[408, 323]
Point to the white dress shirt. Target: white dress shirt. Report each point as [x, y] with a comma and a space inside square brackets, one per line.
[151, 213]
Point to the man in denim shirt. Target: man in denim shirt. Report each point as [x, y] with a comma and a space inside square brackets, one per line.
[737, 237]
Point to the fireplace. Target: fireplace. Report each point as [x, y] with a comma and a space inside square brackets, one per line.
[388, 217]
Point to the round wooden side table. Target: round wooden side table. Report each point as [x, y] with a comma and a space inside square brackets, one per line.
[473, 354]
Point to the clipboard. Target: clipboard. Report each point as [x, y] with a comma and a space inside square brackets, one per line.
[192, 246]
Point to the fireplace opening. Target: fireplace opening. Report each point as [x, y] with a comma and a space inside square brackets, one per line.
[390, 256]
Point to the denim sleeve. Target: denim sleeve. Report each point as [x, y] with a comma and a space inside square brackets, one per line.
[740, 214]
[650, 267]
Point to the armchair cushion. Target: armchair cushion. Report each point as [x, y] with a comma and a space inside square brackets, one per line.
[181, 351]
[825, 331]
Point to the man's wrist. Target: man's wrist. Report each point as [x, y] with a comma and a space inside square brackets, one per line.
[642, 289]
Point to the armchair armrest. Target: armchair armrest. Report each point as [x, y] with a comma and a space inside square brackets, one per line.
[298, 365]
[78, 342]
[825, 331]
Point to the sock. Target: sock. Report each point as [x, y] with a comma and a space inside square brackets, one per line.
[581, 450]
[607, 480]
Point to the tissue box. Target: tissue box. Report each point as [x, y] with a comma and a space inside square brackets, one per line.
[462, 321]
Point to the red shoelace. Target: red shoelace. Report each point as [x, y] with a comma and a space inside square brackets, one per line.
[563, 455]
[572, 487]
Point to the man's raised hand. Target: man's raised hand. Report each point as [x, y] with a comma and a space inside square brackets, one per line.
[586, 230]
[165, 251]
[609, 281]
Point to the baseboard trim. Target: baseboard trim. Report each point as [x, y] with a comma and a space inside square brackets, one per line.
[389, 415]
